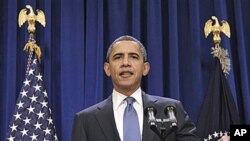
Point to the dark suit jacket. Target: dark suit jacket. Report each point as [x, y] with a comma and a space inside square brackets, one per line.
[97, 123]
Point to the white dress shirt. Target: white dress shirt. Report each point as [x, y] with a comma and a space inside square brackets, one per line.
[119, 105]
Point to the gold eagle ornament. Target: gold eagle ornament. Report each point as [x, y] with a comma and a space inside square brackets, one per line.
[31, 18]
[216, 28]
[217, 50]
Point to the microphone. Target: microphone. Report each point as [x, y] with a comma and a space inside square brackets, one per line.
[163, 131]
[170, 112]
[150, 113]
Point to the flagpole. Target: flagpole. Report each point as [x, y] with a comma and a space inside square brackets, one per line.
[32, 117]
[218, 110]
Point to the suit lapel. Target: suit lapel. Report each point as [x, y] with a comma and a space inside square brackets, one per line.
[106, 120]
[148, 134]
[105, 117]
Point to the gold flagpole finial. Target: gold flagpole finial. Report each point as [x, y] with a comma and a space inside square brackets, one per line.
[216, 29]
[31, 19]
[217, 50]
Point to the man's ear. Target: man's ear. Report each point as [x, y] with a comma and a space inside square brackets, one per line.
[146, 68]
[106, 68]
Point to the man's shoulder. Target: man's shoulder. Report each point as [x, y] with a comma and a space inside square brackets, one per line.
[94, 108]
[162, 100]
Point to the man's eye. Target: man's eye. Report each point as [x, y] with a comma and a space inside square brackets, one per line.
[135, 57]
[117, 57]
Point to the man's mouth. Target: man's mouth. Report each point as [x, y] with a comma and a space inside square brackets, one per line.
[126, 74]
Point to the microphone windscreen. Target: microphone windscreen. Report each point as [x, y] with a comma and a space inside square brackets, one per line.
[150, 109]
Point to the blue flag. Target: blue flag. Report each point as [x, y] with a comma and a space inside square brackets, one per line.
[218, 110]
[32, 118]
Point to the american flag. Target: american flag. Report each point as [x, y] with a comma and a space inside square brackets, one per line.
[32, 118]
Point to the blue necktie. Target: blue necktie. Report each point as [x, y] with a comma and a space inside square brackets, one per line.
[131, 129]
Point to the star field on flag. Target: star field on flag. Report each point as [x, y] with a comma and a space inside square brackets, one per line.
[32, 118]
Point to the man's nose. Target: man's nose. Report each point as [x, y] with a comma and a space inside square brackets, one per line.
[125, 61]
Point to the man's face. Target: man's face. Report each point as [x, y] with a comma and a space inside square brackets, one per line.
[126, 66]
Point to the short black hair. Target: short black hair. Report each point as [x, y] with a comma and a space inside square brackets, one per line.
[128, 38]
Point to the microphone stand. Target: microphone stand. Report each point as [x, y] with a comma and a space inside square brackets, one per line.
[166, 125]
[162, 132]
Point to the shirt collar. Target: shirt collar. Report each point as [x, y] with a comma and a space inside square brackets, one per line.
[118, 98]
